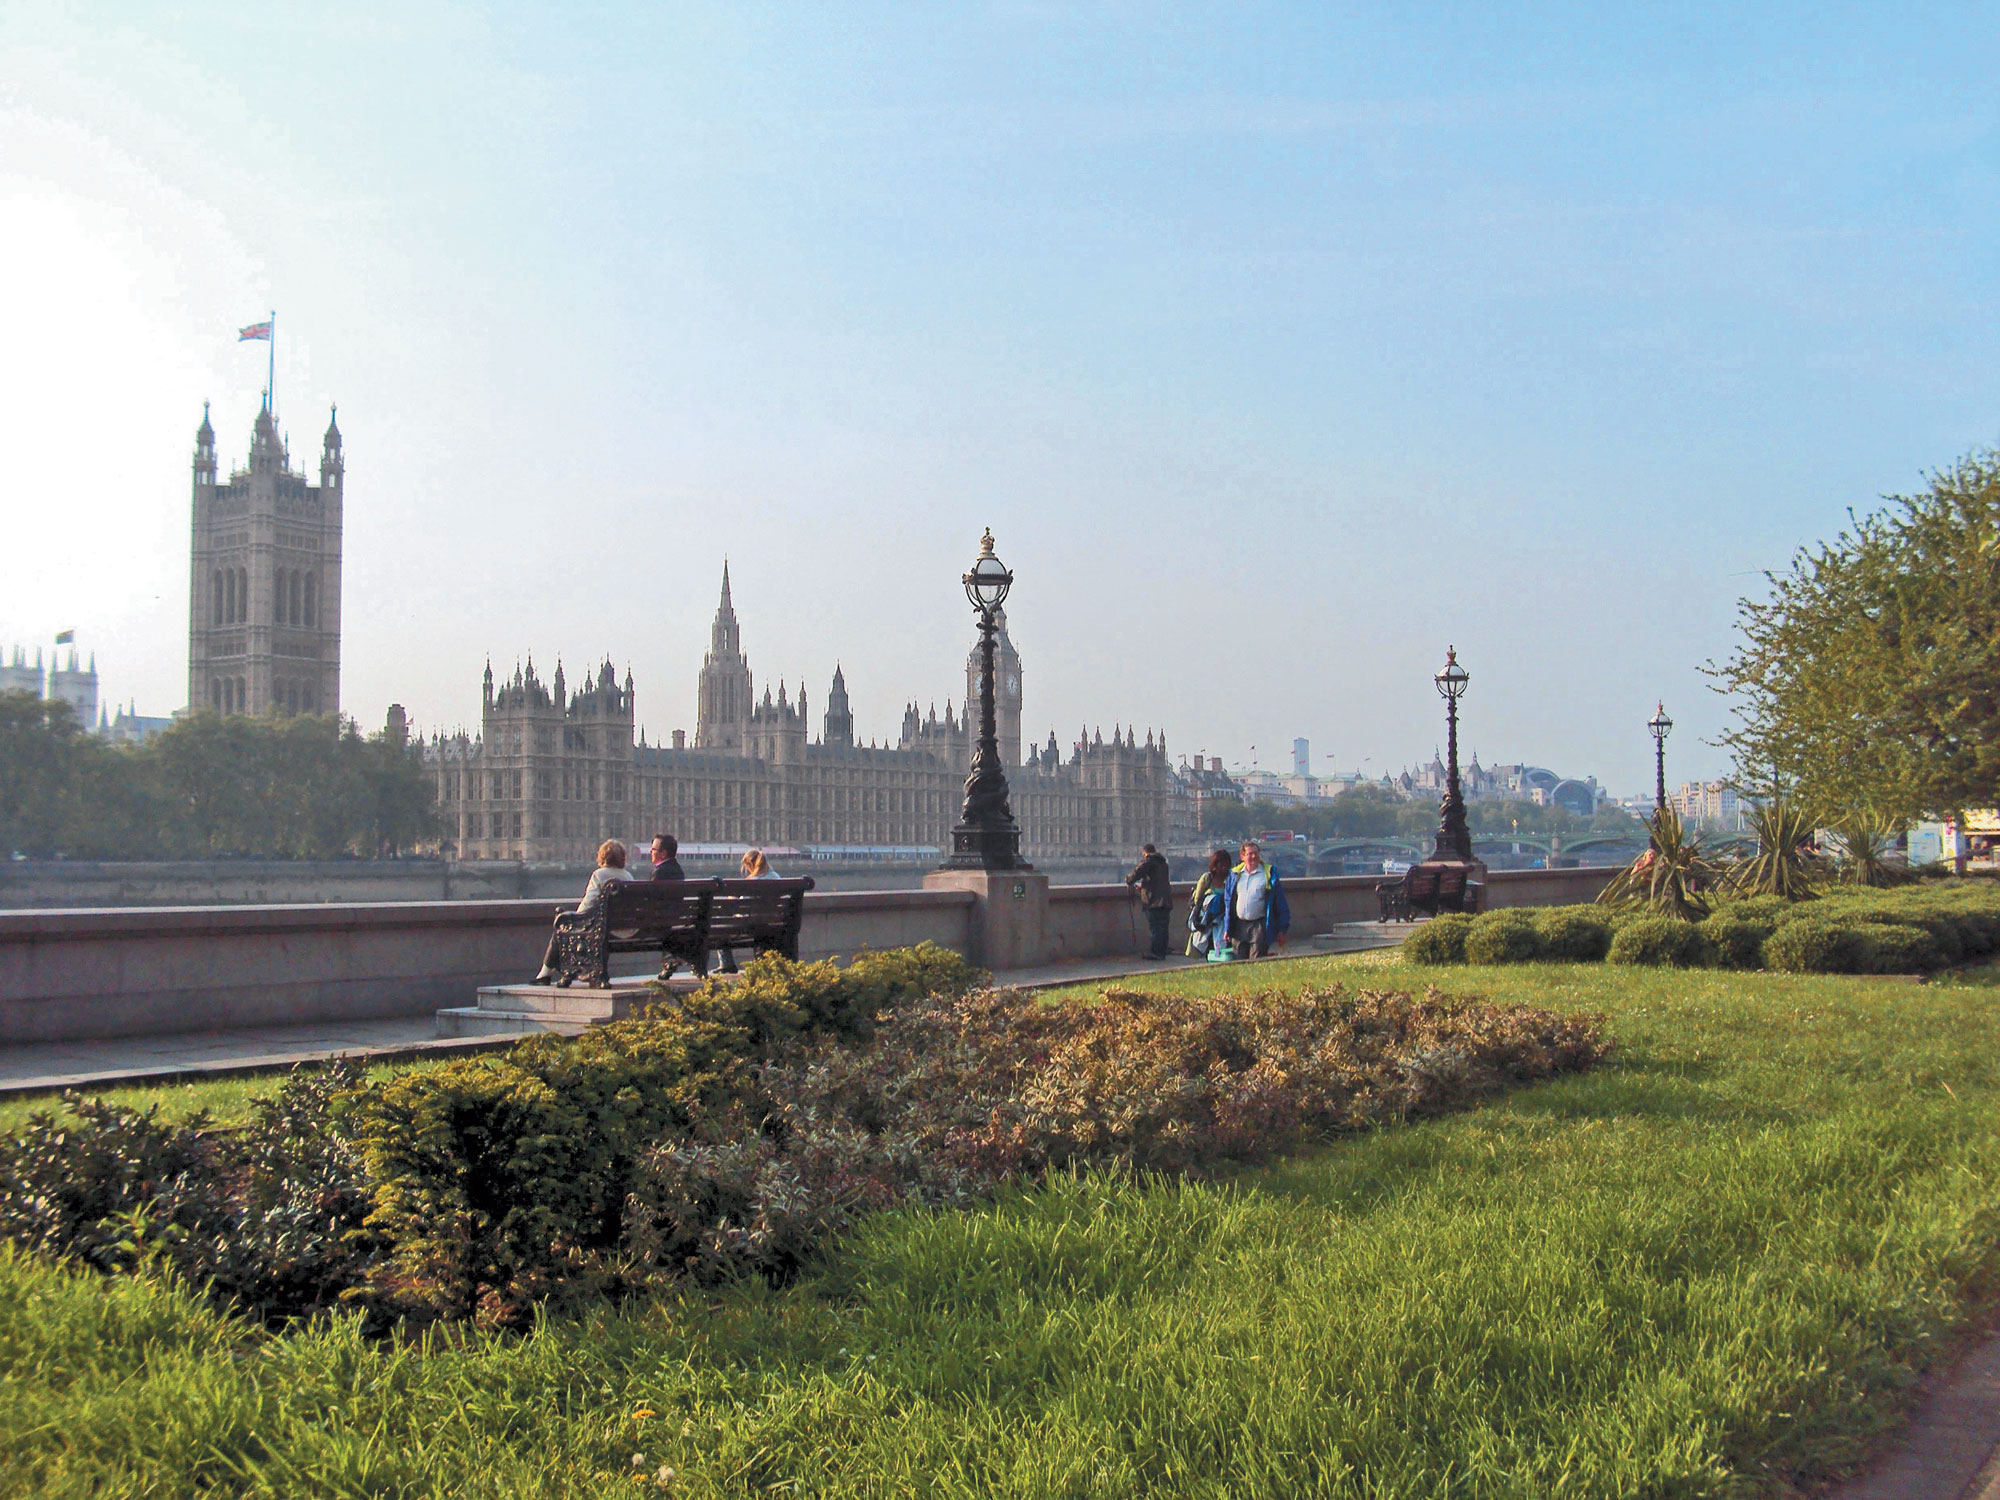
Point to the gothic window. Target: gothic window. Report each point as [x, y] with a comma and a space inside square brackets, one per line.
[306, 698]
[499, 788]
[517, 825]
[215, 598]
[297, 609]
[242, 697]
[242, 596]
[311, 603]
[229, 598]
[543, 787]
[215, 693]
[499, 825]
[517, 789]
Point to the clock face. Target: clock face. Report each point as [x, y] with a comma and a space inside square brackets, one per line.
[1013, 683]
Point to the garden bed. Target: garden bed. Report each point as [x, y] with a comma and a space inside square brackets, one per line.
[1714, 1265]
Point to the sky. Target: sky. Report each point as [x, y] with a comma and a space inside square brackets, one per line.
[1280, 346]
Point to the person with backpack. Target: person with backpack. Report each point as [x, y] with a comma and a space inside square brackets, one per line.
[1156, 894]
[1259, 914]
[1208, 913]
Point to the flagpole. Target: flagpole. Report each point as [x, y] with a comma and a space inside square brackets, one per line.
[271, 373]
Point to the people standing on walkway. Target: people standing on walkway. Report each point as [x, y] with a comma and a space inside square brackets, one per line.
[666, 858]
[1259, 914]
[1208, 912]
[1156, 895]
[610, 871]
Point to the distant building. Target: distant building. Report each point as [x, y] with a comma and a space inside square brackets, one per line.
[1536, 784]
[554, 770]
[1302, 757]
[76, 686]
[64, 682]
[130, 727]
[16, 676]
[264, 590]
[1709, 804]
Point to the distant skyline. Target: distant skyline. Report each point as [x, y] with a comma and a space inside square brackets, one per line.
[1281, 346]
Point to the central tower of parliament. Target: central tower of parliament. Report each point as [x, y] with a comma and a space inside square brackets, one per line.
[556, 769]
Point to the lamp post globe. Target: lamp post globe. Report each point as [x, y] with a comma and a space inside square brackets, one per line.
[986, 837]
[987, 583]
[1661, 726]
[1454, 838]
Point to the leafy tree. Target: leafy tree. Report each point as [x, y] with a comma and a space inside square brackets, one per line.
[1870, 675]
[289, 788]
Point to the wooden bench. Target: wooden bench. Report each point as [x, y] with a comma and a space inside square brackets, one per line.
[685, 920]
[668, 917]
[761, 915]
[1429, 888]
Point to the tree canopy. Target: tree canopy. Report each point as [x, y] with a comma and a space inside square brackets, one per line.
[1869, 677]
[304, 787]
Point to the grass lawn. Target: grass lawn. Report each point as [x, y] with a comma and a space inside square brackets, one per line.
[1713, 1267]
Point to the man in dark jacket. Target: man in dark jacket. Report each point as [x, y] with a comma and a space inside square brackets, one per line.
[1150, 879]
[665, 865]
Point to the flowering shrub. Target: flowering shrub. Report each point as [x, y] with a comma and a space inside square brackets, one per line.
[957, 1096]
[735, 1132]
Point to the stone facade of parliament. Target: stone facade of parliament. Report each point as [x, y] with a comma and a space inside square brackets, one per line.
[555, 769]
[264, 590]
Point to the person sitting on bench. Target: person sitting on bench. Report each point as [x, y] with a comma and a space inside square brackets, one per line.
[610, 870]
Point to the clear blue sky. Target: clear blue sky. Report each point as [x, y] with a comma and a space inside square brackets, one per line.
[1280, 346]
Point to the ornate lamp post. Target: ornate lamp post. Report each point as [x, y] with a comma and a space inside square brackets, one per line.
[1661, 726]
[987, 837]
[1454, 839]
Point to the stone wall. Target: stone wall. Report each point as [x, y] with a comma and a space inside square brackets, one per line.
[73, 975]
[42, 885]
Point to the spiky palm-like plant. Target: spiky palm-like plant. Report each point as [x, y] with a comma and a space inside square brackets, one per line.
[1671, 876]
[1785, 864]
[1868, 849]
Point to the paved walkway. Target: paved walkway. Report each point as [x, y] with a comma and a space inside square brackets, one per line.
[1951, 1450]
[47, 1067]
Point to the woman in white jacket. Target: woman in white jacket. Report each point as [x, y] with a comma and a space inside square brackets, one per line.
[609, 872]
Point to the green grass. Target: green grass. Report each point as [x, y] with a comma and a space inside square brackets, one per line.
[1714, 1267]
[226, 1099]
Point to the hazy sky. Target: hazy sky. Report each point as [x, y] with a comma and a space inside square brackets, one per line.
[1280, 346]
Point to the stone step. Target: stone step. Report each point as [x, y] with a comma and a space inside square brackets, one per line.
[546, 999]
[473, 1020]
[1357, 937]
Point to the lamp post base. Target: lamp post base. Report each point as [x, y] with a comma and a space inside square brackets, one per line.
[1008, 926]
[986, 847]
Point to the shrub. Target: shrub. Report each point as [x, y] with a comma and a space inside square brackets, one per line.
[1770, 909]
[898, 976]
[1737, 940]
[1814, 945]
[1897, 948]
[1507, 936]
[1441, 940]
[268, 1216]
[1580, 934]
[958, 1096]
[1672, 878]
[1662, 942]
[1785, 864]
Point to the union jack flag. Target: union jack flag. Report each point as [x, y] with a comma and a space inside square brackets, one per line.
[254, 331]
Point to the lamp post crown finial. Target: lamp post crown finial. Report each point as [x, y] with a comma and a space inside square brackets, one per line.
[986, 542]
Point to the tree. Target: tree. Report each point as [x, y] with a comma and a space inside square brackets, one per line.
[1870, 675]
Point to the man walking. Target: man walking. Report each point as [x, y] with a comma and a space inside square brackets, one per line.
[1259, 914]
[665, 865]
[1155, 887]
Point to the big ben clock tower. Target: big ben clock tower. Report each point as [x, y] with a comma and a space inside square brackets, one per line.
[1006, 692]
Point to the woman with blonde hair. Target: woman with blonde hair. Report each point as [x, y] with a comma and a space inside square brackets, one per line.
[609, 872]
[756, 867]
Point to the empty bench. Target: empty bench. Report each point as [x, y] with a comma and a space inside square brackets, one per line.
[1428, 888]
[684, 920]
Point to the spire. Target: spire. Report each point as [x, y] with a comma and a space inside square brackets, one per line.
[333, 430]
[204, 435]
[725, 583]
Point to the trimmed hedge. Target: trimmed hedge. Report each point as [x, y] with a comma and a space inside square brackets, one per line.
[1662, 942]
[1845, 931]
[1579, 934]
[1441, 940]
[1507, 936]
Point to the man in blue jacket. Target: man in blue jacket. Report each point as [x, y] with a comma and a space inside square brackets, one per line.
[1259, 914]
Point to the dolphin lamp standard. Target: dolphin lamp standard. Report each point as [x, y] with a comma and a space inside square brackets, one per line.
[987, 837]
[1454, 839]
[1661, 726]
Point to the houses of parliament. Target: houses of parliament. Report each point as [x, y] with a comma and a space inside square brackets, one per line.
[556, 768]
